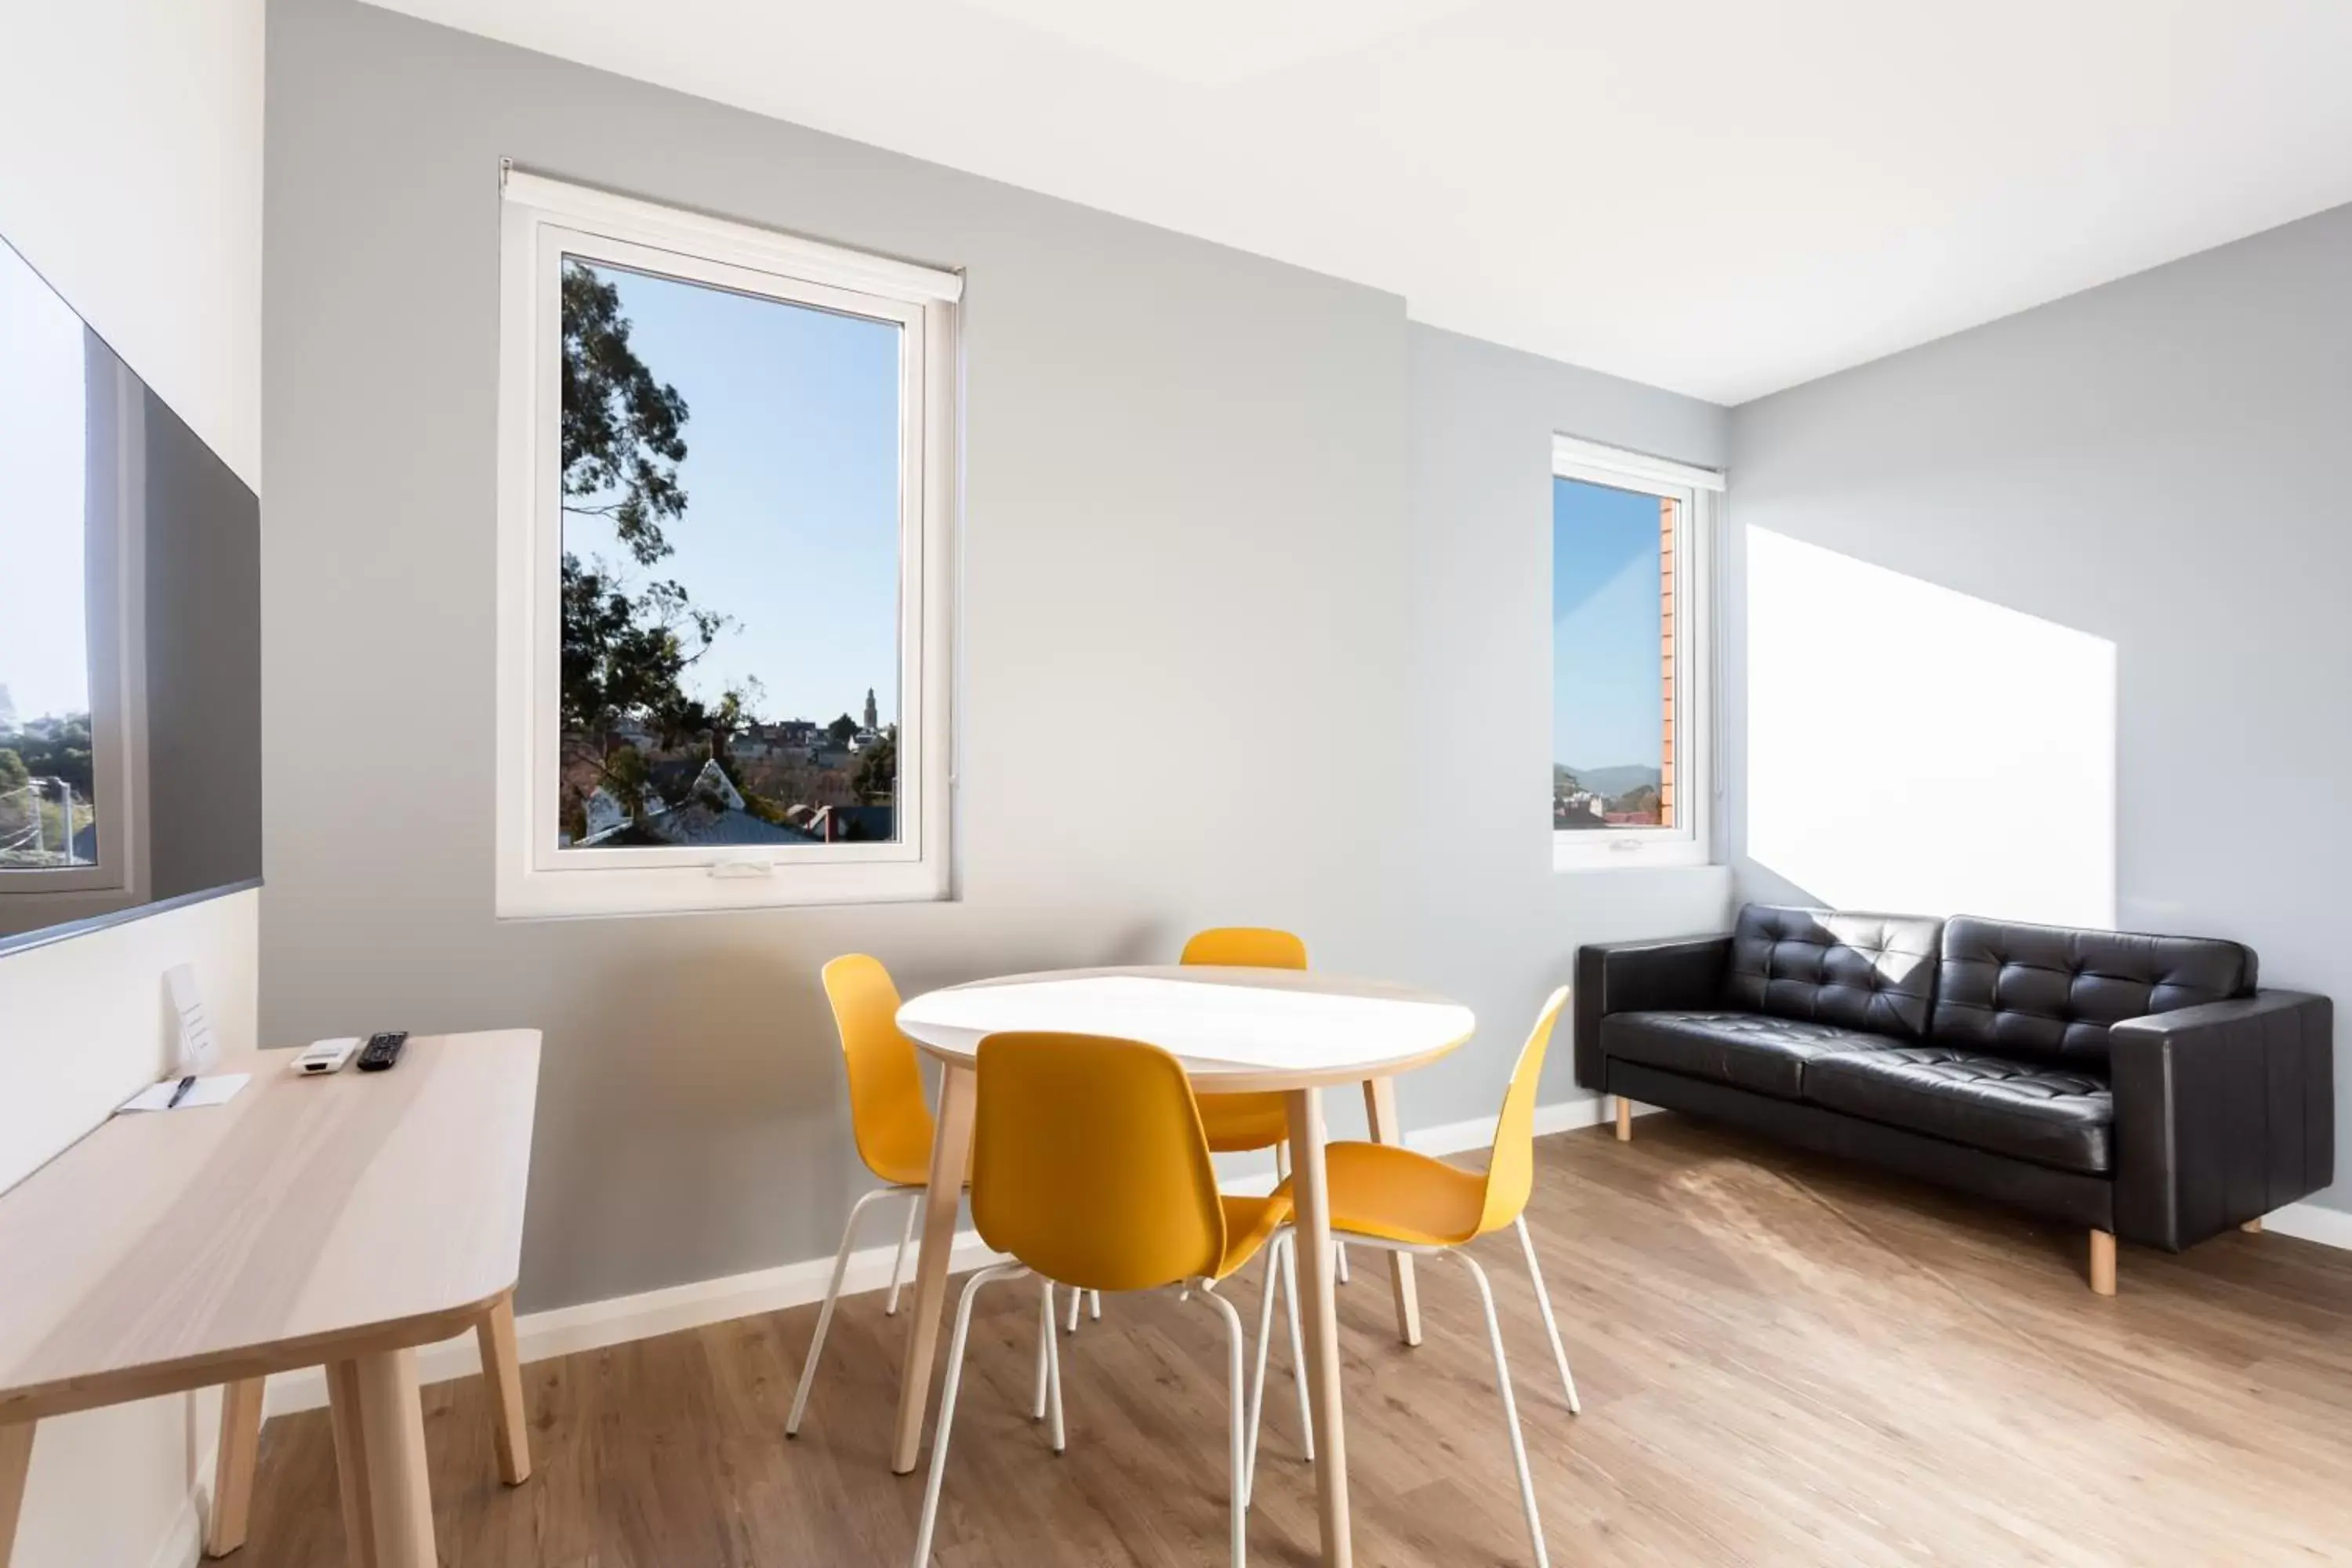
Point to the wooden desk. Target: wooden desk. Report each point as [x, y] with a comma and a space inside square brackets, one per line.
[1237, 1030]
[340, 1221]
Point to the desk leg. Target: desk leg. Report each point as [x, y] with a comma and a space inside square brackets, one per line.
[380, 1456]
[16, 1458]
[502, 1376]
[240, 1447]
[950, 1157]
[1309, 1184]
[1381, 1116]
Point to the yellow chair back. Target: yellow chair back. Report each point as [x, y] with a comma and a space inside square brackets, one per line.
[1246, 947]
[1088, 1162]
[1511, 1169]
[887, 1111]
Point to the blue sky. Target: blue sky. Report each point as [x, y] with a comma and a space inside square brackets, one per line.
[791, 484]
[44, 661]
[1605, 688]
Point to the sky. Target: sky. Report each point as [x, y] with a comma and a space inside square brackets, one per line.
[792, 483]
[44, 655]
[1606, 692]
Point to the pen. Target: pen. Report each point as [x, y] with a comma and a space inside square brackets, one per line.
[186, 1084]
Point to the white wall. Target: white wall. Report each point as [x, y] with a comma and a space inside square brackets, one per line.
[2117, 523]
[131, 176]
[1205, 680]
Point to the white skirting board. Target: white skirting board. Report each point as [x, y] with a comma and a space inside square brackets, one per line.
[593, 1325]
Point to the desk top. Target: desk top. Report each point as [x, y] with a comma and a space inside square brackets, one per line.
[177, 1249]
[1235, 1028]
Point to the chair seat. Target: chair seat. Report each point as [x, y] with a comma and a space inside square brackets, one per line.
[1755, 1051]
[1395, 1194]
[2039, 1111]
[1248, 1223]
[1236, 1122]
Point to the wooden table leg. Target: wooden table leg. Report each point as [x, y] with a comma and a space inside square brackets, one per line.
[950, 1157]
[1309, 1184]
[380, 1456]
[502, 1375]
[240, 1447]
[16, 1459]
[1381, 1116]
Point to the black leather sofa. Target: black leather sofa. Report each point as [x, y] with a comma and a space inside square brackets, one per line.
[2140, 1087]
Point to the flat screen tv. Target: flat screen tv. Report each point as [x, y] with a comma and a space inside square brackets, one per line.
[130, 638]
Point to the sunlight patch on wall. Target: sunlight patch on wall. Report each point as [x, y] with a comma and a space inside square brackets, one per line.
[1911, 748]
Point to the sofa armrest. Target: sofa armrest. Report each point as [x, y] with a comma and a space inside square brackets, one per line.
[1637, 976]
[2224, 1113]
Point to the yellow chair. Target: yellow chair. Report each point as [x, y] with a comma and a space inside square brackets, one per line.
[888, 1116]
[1090, 1169]
[1239, 1122]
[1385, 1197]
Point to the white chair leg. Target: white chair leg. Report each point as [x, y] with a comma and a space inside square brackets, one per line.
[948, 1403]
[1077, 1296]
[1511, 1406]
[1094, 1305]
[1289, 1240]
[1049, 1368]
[1267, 1289]
[1340, 1248]
[1037, 1404]
[825, 1313]
[1235, 1445]
[906, 1237]
[1552, 1325]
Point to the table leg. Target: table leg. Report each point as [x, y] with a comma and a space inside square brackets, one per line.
[950, 1157]
[502, 1376]
[1309, 1184]
[1381, 1117]
[16, 1458]
[240, 1447]
[380, 1457]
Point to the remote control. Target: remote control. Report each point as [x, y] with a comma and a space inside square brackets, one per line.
[382, 1050]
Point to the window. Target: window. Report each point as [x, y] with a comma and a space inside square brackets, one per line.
[1630, 639]
[71, 455]
[726, 468]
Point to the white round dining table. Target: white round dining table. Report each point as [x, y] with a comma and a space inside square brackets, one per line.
[1237, 1030]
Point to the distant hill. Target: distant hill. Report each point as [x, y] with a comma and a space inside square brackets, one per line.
[1614, 781]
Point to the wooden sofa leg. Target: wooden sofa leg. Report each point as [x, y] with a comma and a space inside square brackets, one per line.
[2103, 1263]
[2252, 1228]
[1624, 1119]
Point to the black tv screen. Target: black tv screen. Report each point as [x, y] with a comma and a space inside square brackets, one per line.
[129, 636]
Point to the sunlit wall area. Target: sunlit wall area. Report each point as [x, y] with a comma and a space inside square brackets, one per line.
[1912, 748]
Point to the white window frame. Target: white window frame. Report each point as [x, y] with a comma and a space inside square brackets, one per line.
[114, 619]
[1694, 489]
[544, 220]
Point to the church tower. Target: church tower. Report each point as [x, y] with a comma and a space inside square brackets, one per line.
[873, 719]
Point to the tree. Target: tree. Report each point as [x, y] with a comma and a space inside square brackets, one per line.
[842, 730]
[13, 774]
[876, 782]
[625, 652]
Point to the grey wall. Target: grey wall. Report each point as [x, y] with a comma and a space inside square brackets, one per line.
[2158, 462]
[1253, 623]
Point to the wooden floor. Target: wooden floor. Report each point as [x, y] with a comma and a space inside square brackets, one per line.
[1782, 1361]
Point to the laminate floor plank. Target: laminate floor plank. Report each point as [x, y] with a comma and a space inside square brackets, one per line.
[1782, 1359]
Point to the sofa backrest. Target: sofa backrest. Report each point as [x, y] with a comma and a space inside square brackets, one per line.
[1858, 970]
[2028, 990]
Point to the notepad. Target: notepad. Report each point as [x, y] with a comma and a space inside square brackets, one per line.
[216, 1089]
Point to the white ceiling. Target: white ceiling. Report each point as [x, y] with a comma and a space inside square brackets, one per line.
[1720, 196]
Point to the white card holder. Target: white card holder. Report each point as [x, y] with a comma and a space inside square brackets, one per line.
[195, 1048]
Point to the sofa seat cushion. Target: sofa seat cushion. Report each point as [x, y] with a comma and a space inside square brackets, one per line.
[1746, 1050]
[2051, 1115]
